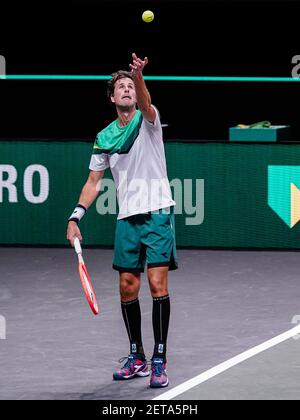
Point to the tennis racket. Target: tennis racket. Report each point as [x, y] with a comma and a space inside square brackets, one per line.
[85, 279]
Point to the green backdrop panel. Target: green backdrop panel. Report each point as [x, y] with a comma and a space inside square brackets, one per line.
[40, 182]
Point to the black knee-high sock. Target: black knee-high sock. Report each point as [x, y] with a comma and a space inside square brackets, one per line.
[132, 317]
[160, 321]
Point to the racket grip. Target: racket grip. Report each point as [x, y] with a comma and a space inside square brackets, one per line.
[77, 246]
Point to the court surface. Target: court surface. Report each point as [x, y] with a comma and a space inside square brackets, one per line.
[223, 303]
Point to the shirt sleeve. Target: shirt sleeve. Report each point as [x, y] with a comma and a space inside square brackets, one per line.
[155, 126]
[99, 162]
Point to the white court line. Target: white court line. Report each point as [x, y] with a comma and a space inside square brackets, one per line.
[210, 373]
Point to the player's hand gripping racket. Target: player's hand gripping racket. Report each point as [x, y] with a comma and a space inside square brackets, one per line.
[85, 279]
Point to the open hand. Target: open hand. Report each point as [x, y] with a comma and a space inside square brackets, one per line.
[137, 65]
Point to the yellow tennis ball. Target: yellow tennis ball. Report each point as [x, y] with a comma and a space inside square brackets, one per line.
[148, 16]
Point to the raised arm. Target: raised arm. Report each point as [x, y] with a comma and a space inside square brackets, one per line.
[142, 94]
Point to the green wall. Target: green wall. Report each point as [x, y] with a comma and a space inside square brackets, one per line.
[232, 212]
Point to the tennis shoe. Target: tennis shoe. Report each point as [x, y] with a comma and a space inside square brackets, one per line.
[132, 367]
[159, 377]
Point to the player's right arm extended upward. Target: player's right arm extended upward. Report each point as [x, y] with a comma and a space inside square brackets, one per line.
[88, 194]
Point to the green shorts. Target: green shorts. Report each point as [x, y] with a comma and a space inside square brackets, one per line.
[145, 238]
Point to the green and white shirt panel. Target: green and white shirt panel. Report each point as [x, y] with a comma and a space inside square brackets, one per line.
[138, 167]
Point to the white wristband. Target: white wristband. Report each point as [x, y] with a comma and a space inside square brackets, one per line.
[78, 213]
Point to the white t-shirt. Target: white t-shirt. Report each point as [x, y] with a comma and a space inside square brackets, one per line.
[140, 175]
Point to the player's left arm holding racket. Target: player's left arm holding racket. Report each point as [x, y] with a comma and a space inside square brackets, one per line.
[88, 194]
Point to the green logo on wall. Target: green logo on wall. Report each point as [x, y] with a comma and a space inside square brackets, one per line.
[284, 192]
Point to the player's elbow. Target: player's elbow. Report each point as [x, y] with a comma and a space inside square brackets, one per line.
[149, 114]
[92, 185]
[95, 177]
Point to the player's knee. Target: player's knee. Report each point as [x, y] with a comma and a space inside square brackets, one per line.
[129, 286]
[158, 287]
[128, 292]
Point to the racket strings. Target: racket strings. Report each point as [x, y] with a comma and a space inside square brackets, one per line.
[88, 288]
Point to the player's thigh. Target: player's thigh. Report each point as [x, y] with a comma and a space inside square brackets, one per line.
[159, 239]
[128, 250]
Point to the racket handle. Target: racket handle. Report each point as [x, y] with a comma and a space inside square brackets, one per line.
[77, 246]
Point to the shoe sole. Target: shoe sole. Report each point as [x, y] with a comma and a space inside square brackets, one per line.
[121, 378]
[158, 385]
[146, 373]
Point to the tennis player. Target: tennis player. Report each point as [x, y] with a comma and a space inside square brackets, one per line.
[132, 147]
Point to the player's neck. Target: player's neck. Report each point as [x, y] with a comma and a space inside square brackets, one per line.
[124, 117]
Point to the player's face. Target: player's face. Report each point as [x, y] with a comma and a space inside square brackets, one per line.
[124, 93]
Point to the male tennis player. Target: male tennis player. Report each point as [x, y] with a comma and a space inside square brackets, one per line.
[132, 146]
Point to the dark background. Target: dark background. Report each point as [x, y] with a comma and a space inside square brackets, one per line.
[208, 38]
